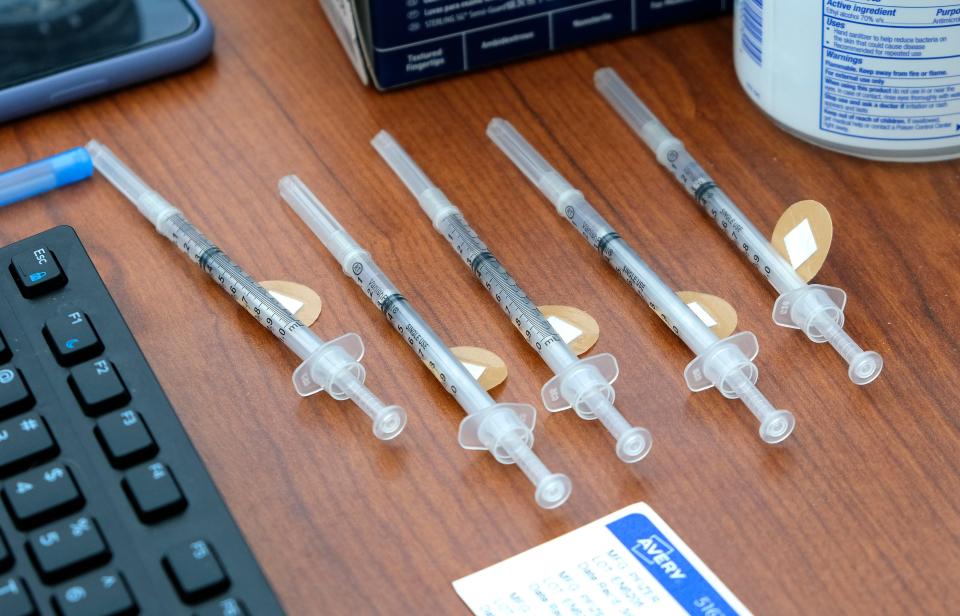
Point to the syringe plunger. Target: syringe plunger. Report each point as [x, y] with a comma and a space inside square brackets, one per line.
[725, 364]
[582, 384]
[587, 387]
[332, 366]
[388, 421]
[552, 489]
[815, 309]
[728, 366]
[505, 430]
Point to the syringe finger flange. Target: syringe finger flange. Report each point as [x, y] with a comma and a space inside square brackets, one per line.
[725, 363]
[709, 367]
[802, 308]
[319, 371]
[333, 366]
[485, 430]
[588, 376]
[780, 273]
[576, 382]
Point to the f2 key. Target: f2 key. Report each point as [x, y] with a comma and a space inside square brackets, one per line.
[98, 387]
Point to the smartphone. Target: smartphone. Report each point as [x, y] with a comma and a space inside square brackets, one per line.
[56, 51]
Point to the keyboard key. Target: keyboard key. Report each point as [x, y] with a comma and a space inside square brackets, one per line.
[153, 492]
[97, 594]
[195, 571]
[98, 387]
[5, 353]
[37, 272]
[15, 395]
[223, 607]
[72, 338]
[23, 442]
[6, 556]
[125, 438]
[41, 495]
[15, 599]
[67, 549]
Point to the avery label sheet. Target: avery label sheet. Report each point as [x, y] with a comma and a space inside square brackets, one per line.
[629, 563]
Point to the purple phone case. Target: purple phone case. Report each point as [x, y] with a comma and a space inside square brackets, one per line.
[110, 74]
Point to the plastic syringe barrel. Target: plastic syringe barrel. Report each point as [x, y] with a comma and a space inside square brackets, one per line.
[585, 385]
[725, 364]
[572, 205]
[332, 366]
[449, 221]
[506, 430]
[811, 308]
[672, 154]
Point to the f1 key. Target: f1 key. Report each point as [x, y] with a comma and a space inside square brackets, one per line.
[72, 338]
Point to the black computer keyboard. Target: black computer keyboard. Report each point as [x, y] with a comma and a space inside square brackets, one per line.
[107, 508]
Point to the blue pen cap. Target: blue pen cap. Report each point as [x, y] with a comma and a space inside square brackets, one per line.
[72, 166]
[44, 175]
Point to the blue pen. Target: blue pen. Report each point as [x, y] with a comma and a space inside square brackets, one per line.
[39, 177]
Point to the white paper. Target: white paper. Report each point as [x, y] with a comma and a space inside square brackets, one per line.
[474, 370]
[800, 243]
[629, 563]
[292, 305]
[567, 332]
[702, 314]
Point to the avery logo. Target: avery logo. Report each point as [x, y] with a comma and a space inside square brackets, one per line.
[655, 551]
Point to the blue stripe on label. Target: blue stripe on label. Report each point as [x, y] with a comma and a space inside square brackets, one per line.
[665, 562]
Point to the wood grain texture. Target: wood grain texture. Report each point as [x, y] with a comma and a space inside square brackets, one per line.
[857, 513]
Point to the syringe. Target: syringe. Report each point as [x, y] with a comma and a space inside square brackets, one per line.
[726, 364]
[505, 430]
[586, 385]
[815, 309]
[332, 366]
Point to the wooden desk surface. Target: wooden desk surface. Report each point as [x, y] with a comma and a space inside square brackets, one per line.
[858, 511]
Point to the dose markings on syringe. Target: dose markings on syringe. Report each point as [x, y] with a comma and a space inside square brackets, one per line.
[525, 315]
[402, 317]
[231, 278]
[611, 248]
[702, 187]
